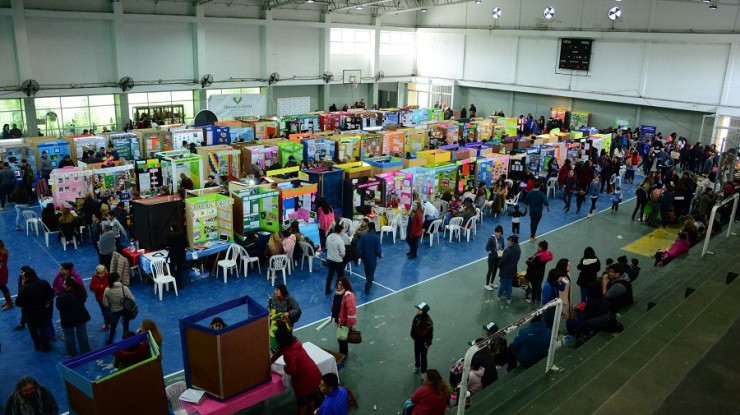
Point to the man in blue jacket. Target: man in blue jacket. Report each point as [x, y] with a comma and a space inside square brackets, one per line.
[336, 398]
[530, 345]
[535, 201]
[369, 250]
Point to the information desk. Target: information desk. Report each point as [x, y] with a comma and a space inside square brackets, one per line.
[215, 248]
[324, 360]
[252, 397]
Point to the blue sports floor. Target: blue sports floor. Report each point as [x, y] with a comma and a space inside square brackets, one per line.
[394, 273]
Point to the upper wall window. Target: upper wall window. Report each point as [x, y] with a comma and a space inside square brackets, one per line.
[350, 42]
[396, 43]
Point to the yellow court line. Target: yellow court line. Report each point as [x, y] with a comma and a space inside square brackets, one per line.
[660, 238]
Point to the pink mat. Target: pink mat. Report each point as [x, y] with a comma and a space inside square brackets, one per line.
[250, 398]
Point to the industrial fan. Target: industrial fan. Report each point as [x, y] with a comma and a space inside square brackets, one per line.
[126, 83]
[30, 87]
[328, 77]
[274, 78]
[206, 80]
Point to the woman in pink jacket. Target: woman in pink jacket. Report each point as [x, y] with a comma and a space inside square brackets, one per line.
[344, 309]
[679, 247]
[326, 219]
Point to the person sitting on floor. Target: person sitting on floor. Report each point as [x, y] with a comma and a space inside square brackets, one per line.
[530, 345]
[131, 355]
[616, 287]
[680, 246]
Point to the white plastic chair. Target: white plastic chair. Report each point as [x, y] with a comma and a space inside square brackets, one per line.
[31, 220]
[161, 278]
[66, 241]
[390, 228]
[512, 202]
[229, 262]
[47, 232]
[433, 230]
[479, 214]
[246, 259]
[552, 182]
[290, 259]
[307, 253]
[470, 227]
[454, 227]
[277, 263]
[173, 393]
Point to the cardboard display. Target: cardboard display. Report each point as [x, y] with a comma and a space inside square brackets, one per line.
[69, 184]
[329, 181]
[180, 161]
[230, 361]
[361, 195]
[220, 161]
[80, 144]
[371, 145]
[127, 145]
[152, 218]
[384, 164]
[255, 208]
[209, 218]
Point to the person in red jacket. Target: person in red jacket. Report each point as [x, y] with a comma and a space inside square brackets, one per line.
[416, 229]
[98, 284]
[305, 376]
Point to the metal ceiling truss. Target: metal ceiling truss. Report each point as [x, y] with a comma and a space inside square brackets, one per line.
[381, 6]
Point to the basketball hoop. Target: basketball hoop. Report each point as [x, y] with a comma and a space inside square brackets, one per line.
[354, 84]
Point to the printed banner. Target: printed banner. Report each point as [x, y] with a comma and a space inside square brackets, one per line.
[237, 105]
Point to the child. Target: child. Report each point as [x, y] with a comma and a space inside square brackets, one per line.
[616, 198]
[635, 268]
[515, 219]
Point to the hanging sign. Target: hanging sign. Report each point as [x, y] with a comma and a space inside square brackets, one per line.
[237, 105]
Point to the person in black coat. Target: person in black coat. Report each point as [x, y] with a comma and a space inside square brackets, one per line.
[74, 316]
[484, 358]
[589, 268]
[177, 244]
[35, 298]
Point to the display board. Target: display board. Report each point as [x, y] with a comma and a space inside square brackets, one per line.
[318, 150]
[371, 145]
[579, 120]
[257, 208]
[288, 149]
[348, 147]
[127, 145]
[393, 142]
[83, 144]
[148, 175]
[152, 218]
[209, 218]
[296, 198]
[69, 184]
[183, 137]
[217, 135]
[56, 149]
[293, 106]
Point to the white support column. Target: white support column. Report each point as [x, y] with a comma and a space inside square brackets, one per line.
[122, 110]
[199, 43]
[325, 61]
[23, 63]
[20, 40]
[265, 61]
[375, 64]
[728, 74]
[122, 114]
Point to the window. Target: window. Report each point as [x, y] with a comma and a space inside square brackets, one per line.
[396, 43]
[11, 112]
[350, 42]
[211, 92]
[427, 95]
[443, 94]
[167, 98]
[62, 116]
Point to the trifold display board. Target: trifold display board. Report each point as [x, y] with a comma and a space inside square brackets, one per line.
[217, 135]
[255, 208]
[148, 175]
[81, 144]
[259, 155]
[92, 389]
[183, 137]
[209, 219]
[290, 148]
[230, 361]
[361, 195]
[329, 180]
[466, 174]
[318, 150]
[445, 176]
[151, 219]
[13, 150]
[221, 161]
[371, 145]
[517, 166]
[69, 184]
[180, 161]
[348, 147]
[490, 168]
[113, 179]
[422, 181]
[56, 149]
[296, 198]
[127, 145]
[393, 142]
[415, 141]
[397, 187]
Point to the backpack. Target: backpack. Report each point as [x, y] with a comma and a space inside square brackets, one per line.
[456, 372]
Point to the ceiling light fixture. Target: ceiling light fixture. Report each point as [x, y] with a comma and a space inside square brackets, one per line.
[309, 1]
[706, 1]
[423, 9]
[358, 7]
[478, 1]
[496, 12]
[713, 6]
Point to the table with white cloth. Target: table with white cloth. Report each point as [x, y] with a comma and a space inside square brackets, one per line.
[324, 360]
[190, 254]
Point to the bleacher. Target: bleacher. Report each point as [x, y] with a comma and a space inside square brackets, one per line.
[679, 312]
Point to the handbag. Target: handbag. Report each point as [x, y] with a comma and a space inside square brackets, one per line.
[354, 336]
[408, 407]
[130, 310]
[342, 333]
